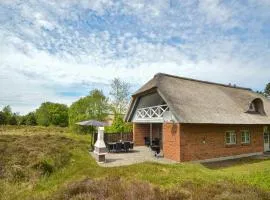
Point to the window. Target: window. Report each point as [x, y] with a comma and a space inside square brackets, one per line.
[266, 138]
[252, 107]
[230, 137]
[256, 107]
[245, 137]
[265, 129]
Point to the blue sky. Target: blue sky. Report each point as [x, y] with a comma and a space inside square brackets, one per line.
[58, 51]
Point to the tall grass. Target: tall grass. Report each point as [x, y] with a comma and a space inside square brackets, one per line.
[117, 188]
[51, 163]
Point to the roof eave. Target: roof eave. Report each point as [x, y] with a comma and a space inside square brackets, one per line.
[134, 101]
[145, 92]
[130, 108]
[178, 118]
[135, 98]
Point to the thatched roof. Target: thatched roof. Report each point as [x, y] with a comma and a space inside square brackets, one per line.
[195, 101]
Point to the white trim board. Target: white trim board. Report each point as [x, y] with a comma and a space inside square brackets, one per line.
[227, 157]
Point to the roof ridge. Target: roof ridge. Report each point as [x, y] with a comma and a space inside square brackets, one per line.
[201, 81]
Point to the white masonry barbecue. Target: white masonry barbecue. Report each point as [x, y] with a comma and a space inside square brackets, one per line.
[100, 147]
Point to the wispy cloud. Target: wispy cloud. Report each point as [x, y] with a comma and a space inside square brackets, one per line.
[59, 50]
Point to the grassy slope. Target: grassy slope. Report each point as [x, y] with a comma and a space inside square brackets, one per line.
[33, 146]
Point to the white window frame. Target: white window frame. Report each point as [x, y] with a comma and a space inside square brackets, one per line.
[245, 133]
[265, 129]
[231, 134]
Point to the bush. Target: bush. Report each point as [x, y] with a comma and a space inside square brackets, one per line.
[7, 117]
[52, 114]
[7, 112]
[94, 106]
[22, 120]
[3, 119]
[31, 119]
[45, 167]
[115, 188]
[13, 120]
[119, 125]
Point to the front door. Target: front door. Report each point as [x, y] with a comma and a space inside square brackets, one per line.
[266, 141]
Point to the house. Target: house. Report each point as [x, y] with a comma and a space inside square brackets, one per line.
[198, 120]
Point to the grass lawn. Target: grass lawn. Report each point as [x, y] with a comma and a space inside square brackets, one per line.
[51, 163]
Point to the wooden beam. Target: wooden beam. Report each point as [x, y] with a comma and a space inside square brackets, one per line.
[151, 134]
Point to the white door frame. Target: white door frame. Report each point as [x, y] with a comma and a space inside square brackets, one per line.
[151, 133]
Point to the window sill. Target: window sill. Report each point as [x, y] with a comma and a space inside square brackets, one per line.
[230, 145]
[245, 144]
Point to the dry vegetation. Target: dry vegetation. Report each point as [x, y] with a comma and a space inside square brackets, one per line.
[116, 188]
[27, 158]
[50, 163]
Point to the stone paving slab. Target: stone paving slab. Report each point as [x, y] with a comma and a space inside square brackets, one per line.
[137, 155]
[144, 154]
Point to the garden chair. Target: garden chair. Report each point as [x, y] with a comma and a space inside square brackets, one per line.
[118, 146]
[131, 145]
[126, 146]
[146, 141]
[110, 147]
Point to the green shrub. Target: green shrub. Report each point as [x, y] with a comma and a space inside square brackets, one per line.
[52, 114]
[30, 119]
[13, 120]
[119, 125]
[3, 119]
[94, 106]
[45, 167]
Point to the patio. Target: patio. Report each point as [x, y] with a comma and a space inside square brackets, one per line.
[142, 154]
[138, 155]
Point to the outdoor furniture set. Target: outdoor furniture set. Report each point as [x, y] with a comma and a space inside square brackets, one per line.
[120, 146]
[155, 145]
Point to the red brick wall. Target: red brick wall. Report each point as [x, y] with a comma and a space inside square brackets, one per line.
[193, 135]
[185, 142]
[171, 141]
[143, 130]
[139, 132]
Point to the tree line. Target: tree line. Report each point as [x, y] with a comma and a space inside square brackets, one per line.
[267, 90]
[93, 106]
